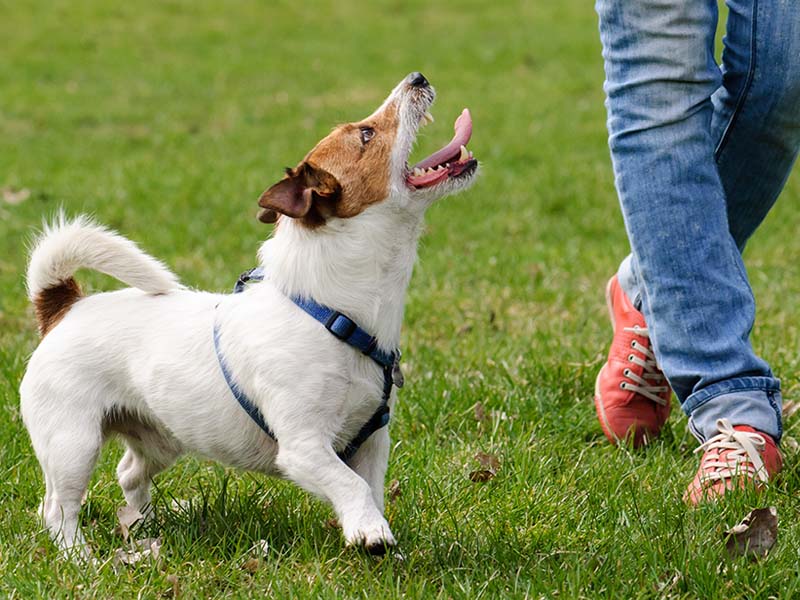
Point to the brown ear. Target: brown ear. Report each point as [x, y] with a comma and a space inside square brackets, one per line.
[287, 197]
[294, 195]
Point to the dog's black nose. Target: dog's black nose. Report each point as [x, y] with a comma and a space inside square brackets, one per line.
[417, 79]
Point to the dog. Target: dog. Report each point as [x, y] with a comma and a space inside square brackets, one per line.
[256, 379]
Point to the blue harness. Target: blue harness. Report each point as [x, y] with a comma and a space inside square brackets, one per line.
[343, 328]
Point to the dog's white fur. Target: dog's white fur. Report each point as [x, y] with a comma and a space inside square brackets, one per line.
[66, 246]
[140, 362]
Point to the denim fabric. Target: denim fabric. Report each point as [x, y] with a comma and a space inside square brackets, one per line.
[700, 154]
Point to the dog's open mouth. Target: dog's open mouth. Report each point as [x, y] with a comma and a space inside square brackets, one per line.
[451, 162]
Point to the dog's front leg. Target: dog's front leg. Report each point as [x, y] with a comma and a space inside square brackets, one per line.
[370, 463]
[314, 466]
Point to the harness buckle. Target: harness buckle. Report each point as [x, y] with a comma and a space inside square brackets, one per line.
[340, 326]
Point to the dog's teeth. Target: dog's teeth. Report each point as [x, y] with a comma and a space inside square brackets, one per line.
[427, 118]
[464, 154]
[470, 155]
[417, 172]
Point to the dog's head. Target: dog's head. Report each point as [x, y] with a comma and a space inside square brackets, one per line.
[365, 163]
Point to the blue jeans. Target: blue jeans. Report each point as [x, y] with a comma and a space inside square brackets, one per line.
[701, 153]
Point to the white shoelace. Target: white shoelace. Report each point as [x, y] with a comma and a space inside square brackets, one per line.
[650, 384]
[743, 458]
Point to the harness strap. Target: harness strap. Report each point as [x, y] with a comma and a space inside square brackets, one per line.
[250, 408]
[344, 329]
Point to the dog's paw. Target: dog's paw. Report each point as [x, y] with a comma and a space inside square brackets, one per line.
[375, 538]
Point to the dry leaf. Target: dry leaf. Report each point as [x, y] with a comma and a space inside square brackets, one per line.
[490, 464]
[499, 415]
[790, 407]
[141, 549]
[488, 461]
[394, 490]
[480, 412]
[261, 547]
[251, 565]
[481, 475]
[332, 523]
[13, 197]
[152, 545]
[755, 535]
[464, 329]
[128, 517]
[176, 585]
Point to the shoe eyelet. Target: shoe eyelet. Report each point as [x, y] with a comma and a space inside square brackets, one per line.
[630, 357]
[633, 344]
[622, 385]
[626, 372]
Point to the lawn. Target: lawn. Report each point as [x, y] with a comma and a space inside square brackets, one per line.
[167, 119]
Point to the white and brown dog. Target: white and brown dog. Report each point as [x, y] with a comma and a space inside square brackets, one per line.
[162, 366]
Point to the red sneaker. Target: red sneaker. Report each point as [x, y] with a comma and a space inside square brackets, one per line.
[631, 394]
[737, 457]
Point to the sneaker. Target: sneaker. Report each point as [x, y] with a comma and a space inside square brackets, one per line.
[631, 394]
[737, 457]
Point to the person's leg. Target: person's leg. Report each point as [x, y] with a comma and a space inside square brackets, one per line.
[756, 128]
[696, 299]
[756, 122]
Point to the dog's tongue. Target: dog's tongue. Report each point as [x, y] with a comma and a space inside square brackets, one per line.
[463, 127]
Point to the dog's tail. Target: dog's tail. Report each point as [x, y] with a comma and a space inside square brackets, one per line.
[66, 246]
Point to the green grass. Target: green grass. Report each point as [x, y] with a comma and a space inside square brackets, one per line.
[167, 119]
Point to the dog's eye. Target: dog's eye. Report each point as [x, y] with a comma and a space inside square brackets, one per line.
[367, 133]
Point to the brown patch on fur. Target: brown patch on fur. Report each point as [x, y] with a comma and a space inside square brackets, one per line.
[53, 303]
[340, 177]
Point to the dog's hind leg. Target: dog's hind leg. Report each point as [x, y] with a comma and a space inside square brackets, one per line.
[135, 473]
[67, 458]
[313, 465]
[147, 454]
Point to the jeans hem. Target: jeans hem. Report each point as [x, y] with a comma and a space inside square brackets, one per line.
[742, 384]
[754, 401]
